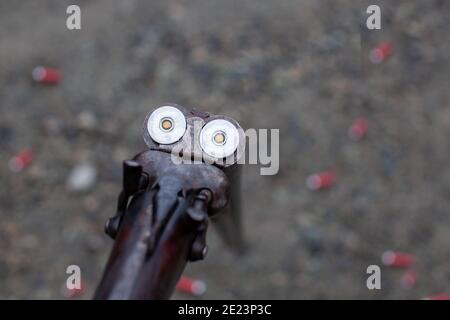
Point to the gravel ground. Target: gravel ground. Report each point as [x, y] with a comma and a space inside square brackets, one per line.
[300, 66]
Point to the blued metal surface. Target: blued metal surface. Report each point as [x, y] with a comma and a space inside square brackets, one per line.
[165, 224]
[229, 224]
[193, 176]
[162, 227]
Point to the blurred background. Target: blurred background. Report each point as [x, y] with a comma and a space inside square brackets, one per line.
[300, 66]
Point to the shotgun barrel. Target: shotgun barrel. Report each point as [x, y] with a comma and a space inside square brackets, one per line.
[188, 175]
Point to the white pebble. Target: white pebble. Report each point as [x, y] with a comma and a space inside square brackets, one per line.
[82, 177]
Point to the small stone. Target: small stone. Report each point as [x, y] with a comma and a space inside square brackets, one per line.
[87, 120]
[82, 177]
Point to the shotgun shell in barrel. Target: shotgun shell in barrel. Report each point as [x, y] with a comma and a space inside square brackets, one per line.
[320, 180]
[381, 53]
[397, 259]
[219, 138]
[358, 129]
[46, 75]
[192, 286]
[22, 160]
[166, 125]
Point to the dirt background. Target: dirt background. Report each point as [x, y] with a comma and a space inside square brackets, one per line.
[300, 66]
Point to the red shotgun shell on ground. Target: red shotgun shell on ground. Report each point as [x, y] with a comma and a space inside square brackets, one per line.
[358, 129]
[409, 279]
[22, 160]
[192, 286]
[72, 293]
[46, 75]
[320, 180]
[397, 259]
[382, 52]
[439, 296]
